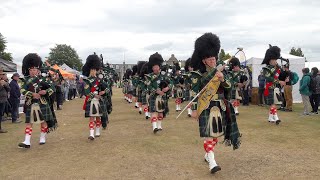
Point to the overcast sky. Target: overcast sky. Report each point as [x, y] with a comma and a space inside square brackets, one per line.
[138, 28]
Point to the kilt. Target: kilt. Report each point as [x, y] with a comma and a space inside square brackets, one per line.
[139, 95]
[103, 107]
[47, 115]
[143, 98]
[134, 92]
[152, 103]
[187, 95]
[270, 98]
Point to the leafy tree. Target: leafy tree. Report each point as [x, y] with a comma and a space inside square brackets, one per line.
[63, 53]
[4, 55]
[223, 56]
[296, 52]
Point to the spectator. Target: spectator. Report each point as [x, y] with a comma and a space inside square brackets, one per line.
[72, 89]
[285, 79]
[58, 81]
[4, 90]
[304, 89]
[80, 85]
[262, 83]
[66, 88]
[14, 98]
[315, 90]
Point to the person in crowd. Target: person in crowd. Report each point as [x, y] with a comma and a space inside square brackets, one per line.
[305, 90]
[66, 88]
[4, 90]
[14, 98]
[285, 79]
[315, 90]
[262, 84]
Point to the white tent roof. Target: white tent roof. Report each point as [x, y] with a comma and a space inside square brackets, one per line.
[69, 69]
[313, 64]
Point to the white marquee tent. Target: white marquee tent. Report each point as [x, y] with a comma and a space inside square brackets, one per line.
[313, 64]
[69, 69]
[296, 65]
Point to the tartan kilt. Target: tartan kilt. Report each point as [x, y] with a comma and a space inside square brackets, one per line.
[204, 118]
[270, 98]
[233, 94]
[103, 104]
[46, 112]
[103, 107]
[143, 98]
[187, 95]
[134, 92]
[139, 95]
[152, 104]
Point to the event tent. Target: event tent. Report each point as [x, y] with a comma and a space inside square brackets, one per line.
[296, 65]
[63, 73]
[69, 69]
[8, 66]
[313, 64]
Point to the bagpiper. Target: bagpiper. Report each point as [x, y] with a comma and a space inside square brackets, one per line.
[135, 81]
[188, 84]
[215, 113]
[157, 88]
[140, 85]
[178, 83]
[95, 90]
[145, 93]
[271, 73]
[236, 78]
[37, 90]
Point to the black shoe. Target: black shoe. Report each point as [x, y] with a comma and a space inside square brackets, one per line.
[91, 138]
[23, 145]
[136, 106]
[96, 135]
[288, 110]
[215, 169]
[3, 131]
[237, 114]
[189, 115]
[140, 112]
[42, 143]
[159, 129]
[104, 128]
[278, 122]
[155, 130]
[147, 117]
[16, 121]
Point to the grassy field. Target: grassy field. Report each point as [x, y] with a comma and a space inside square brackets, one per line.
[129, 150]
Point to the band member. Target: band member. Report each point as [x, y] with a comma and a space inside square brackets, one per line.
[135, 80]
[140, 85]
[215, 113]
[157, 90]
[145, 93]
[178, 82]
[128, 85]
[37, 90]
[106, 81]
[94, 90]
[236, 78]
[187, 83]
[271, 73]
